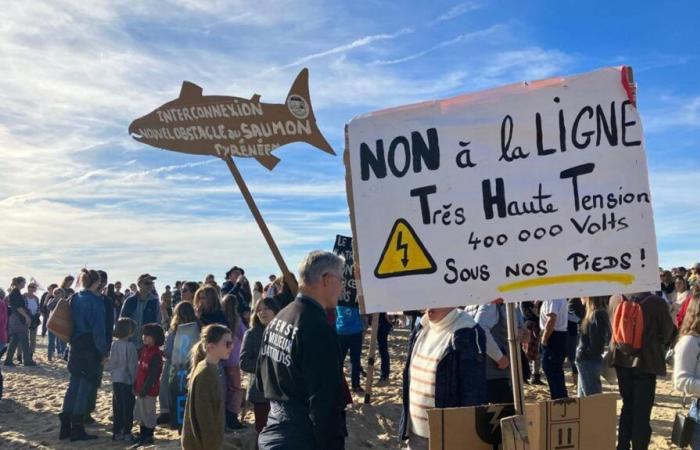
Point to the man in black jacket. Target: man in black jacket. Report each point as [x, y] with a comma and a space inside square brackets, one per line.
[299, 365]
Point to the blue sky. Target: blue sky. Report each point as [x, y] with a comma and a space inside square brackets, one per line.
[76, 190]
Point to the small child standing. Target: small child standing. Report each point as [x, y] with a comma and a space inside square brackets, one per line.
[122, 366]
[147, 384]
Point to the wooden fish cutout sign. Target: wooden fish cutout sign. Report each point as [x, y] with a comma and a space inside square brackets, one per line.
[232, 126]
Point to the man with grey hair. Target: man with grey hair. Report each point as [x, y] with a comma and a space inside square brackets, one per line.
[299, 365]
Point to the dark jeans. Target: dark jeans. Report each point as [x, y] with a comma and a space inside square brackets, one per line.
[92, 400]
[20, 340]
[637, 390]
[553, 364]
[123, 401]
[287, 428]
[499, 391]
[44, 322]
[383, 345]
[352, 342]
[589, 376]
[55, 345]
[75, 402]
[571, 344]
[261, 411]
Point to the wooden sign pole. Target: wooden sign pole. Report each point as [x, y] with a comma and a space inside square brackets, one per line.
[514, 429]
[261, 223]
[516, 372]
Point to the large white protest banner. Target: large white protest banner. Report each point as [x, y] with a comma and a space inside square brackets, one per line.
[531, 191]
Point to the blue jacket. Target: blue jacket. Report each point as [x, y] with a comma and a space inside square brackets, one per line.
[460, 379]
[151, 313]
[348, 320]
[88, 313]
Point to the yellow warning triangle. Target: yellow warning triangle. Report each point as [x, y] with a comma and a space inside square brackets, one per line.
[404, 254]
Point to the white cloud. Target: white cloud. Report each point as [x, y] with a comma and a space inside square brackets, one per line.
[464, 37]
[357, 43]
[456, 11]
[672, 111]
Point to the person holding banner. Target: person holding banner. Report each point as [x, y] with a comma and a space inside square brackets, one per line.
[299, 366]
[182, 337]
[492, 318]
[446, 369]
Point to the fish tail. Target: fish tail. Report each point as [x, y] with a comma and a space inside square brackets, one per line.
[300, 88]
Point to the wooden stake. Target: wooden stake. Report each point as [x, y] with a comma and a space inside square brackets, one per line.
[261, 223]
[514, 429]
[516, 372]
[369, 382]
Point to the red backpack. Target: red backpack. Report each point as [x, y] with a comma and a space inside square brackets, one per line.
[628, 327]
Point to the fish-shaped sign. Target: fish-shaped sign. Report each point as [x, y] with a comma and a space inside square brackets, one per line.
[232, 126]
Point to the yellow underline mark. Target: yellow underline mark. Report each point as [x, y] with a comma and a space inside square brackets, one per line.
[622, 278]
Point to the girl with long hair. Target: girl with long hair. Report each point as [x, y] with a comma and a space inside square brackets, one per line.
[207, 306]
[265, 310]
[686, 370]
[203, 427]
[182, 336]
[595, 333]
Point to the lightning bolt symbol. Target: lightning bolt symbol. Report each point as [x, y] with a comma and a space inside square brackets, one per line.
[496, 410]
[401, 246]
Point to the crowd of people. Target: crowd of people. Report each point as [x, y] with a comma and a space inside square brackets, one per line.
[178, 360]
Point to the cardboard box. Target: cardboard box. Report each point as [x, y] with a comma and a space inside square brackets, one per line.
[472, 428]
[588, 423]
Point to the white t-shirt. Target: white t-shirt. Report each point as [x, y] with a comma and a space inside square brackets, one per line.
[560, 307]
[32, 304]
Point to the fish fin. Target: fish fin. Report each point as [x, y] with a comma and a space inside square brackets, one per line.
[190, 91]
[255, 98]
[269, 161]
[300, 88]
